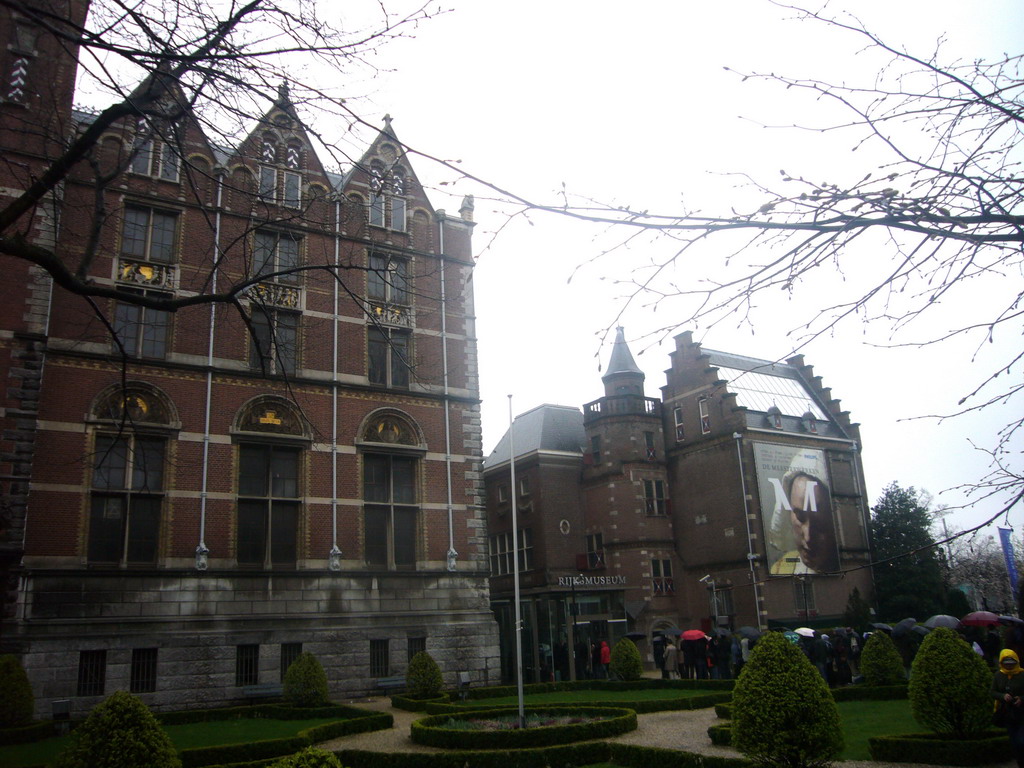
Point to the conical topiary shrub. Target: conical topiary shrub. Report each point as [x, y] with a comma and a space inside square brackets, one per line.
[305, 682]
[949, 686]
[120, 732]
[880, 662]
[423, 677]
[626, 664]
[16, 701]
[782, 711]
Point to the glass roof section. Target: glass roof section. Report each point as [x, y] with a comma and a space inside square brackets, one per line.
[760, 391]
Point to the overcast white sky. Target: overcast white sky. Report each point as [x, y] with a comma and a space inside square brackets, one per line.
[632, 104]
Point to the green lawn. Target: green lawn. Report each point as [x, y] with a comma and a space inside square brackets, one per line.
[864, 719]
[184, 736]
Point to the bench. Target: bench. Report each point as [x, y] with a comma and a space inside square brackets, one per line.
[262, 691]
[393, 683]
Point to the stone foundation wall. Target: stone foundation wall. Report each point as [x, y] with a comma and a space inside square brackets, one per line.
[196, 622]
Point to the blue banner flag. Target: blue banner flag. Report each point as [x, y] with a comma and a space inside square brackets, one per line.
[1011, 565]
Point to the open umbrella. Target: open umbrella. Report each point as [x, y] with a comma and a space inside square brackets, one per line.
[920, 629]
[673, 632]
[636, 635]
[943, 620]
[1011, 621]
[694, 634]
[751, 633]
[792, 636]
[980, 619]
[804, 631]
[903, 626]
[880, 625]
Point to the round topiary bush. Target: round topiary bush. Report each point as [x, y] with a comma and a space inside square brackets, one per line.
[783, 713]
[949, 686]
[423, 677]
[16, 701]
[880, 662]
[626, 664]
[305, 682]
[311, 757]
[120, 732]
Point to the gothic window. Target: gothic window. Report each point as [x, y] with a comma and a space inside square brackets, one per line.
[268, 505]
[274, 343]
[155, 155]
[149, 234]
[388, 207]
[23, 46]
[390, 510]
[388, 279]
[276, 252]
[388, 355]
[277, 185]
[141, 331]
[595, 550]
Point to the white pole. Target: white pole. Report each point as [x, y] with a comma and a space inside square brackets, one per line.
[515, 567]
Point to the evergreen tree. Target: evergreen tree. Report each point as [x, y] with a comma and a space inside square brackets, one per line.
[908, 576]
[858, 612]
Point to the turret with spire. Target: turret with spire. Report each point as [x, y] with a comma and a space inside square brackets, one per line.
[624, 377]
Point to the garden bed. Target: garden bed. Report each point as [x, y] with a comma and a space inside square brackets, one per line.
[940, 749]
[446, 731]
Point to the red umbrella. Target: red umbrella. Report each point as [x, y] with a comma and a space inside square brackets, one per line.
[694, 634]
[980, 619]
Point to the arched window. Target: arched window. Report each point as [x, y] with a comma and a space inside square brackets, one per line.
[391, 450]
[387, 197]
[133, 424]
[271, 435]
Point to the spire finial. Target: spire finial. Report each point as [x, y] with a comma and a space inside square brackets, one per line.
[283, 96]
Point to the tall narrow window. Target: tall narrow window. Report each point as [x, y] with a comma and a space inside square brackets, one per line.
[127, 493]
[501, 555]
[274, 345]
[291, 189]
[289, 653]
[92, 672]
[661, 577]
[143, 673]
[651, 452]
[677, 417]
[388, 279]
[156, 155]
[268, 505]
[390, 511]
[398, 208]
[388, 355]
[416, 644]
[595, 550]
[149, 234]
[141, 331]
[268, 184]
[275, 252]
[247, 664]
[655, 502]
[705, 418]
[595, 450]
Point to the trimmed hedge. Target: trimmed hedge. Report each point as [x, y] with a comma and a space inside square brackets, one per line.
[645, 684]
[870, 692]
[587, 753]
[27, 733]
[640, 706]
[268, 711]
[410, 704]
[724, 711]
[721, 735]
[990, 747]
[635, 756]
[431, 731]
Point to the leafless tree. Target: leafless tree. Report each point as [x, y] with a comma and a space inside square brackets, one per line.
[943, 205]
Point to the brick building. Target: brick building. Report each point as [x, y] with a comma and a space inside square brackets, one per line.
[737, 498]
[190, 499]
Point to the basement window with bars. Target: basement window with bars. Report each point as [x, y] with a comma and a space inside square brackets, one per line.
[92, 672]
[416, 644]
[289, 653]
[247, 664]
[380, 658]
[143, 672]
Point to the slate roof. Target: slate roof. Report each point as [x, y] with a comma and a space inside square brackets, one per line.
[760, 384]
[545, 428]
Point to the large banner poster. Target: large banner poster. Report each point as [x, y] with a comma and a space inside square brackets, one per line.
[796, 509]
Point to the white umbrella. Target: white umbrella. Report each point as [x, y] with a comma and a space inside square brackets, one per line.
[804, 631]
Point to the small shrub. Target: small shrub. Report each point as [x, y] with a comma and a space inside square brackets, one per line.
[16, 702]
[880, 662]
[120, 732]
[626, 664]
[423, 677]
[305, 682]
[949, 686]
[311, 757]
[783, 713]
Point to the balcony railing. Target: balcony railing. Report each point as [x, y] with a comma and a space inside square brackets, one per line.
[618, 405]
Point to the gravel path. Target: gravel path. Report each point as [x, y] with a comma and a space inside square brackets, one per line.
[684, 730]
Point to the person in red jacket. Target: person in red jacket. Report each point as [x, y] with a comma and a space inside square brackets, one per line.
[606, 658]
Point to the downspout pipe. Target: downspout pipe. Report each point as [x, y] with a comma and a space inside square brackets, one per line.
[334, 556]
[452, 556]
[202, 551]
[751, 555]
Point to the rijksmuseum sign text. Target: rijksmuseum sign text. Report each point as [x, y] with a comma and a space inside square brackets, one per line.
[591, 581]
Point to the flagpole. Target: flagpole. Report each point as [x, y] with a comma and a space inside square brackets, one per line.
[515, 567]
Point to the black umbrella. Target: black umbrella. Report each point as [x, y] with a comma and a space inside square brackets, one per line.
[880, 625]
[636, 635]
[751, 633]
[903, 626]
[674, 632]
[943, 620]
[1010, 621]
